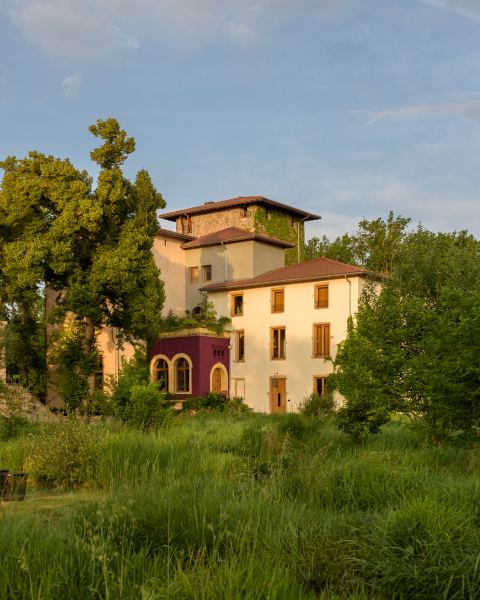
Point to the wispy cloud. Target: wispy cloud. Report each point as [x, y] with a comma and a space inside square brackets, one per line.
[93, 29]
[71, 86]
[470, 110]
[470, 9]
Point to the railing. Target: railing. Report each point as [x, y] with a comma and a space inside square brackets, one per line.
[278, 307]
[321, 303]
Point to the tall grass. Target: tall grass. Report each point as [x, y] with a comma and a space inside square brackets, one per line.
[244, 506]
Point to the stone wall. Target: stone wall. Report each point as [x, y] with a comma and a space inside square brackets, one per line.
[205, 223]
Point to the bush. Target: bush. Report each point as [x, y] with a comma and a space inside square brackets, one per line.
[317, 405]
[12, 418]
[64, 454]
[147, 408]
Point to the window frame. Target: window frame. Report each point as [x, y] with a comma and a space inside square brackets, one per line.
[175, 374]
[203, 273]
[317, 378]
[315, 296]
[272, 334]
[191, 269]
[232, 302]
[272, 300]
[237, 345]
[316, 326]
[166, 382]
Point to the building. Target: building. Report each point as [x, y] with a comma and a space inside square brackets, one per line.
[285, 319]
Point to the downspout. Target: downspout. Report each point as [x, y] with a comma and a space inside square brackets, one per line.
[226, 261]
[349, 296]
[298, 226]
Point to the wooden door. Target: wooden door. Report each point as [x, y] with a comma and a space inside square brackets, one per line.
[277, 395]
[217, 381]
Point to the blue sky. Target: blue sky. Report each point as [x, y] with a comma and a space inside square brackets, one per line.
[346, 108]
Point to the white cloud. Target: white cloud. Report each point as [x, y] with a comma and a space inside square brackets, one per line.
[470, 110]
[71, 86]
[470, 9]
[93, 29]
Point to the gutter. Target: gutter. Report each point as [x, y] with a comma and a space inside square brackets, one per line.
[242, 239]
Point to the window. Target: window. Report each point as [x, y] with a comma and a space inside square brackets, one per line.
[278, 343]
[319, 385]
[165, 242]
[322, 340]
[162, 374]
[182, 375]
[278, 301]
[207, 273]
[321, 296]
[237, 305]
[98, 376]
[245, 212]
[218, 352]
[240, 357]
[193, 274]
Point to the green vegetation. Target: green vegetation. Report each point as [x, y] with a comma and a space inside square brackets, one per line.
[276, 225]
[413, 348]
[206, 316]
[240, 506]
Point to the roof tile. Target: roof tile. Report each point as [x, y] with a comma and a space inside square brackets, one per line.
[312, 269]
[241, 200]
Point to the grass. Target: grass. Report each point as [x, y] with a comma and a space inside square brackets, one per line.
[246, 507]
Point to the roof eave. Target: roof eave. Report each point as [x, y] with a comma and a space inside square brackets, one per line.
[294, 280]
[285, 245]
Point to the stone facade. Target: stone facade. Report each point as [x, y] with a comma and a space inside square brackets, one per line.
[221, 218]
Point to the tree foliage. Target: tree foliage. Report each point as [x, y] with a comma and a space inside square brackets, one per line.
[413, 348]
[90, 246]
[375, 246]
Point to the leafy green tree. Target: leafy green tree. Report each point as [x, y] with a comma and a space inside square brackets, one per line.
[414, 347]
[375, 245]
[91, 246]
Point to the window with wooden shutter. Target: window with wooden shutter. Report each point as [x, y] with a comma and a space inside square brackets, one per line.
[278, 301]
[322, 340]
[321, 296]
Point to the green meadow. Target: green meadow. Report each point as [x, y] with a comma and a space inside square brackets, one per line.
[227, 506]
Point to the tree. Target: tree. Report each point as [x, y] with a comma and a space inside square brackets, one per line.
[375, 246]
[414, 347]
[94, 251]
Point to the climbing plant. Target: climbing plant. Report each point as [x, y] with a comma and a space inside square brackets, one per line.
[279, 226]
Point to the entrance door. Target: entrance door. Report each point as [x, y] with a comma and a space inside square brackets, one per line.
[217, 381]
[277, 395]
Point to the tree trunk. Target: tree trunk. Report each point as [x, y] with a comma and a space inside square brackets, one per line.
[89, 335]
[23, 321]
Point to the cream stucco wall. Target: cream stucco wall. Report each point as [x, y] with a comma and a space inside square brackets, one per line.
[245, 260]
[299, 367]
[170, 259]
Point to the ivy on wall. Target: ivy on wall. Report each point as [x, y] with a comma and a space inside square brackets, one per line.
[279, 226]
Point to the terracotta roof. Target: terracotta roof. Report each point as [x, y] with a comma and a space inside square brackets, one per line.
[234, 234]
[240, 201]
[175, 234]
[312, 269]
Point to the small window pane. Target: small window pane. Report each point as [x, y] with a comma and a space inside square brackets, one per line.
[238, 305]
[183, 375]
[193, 274]
[162, 374]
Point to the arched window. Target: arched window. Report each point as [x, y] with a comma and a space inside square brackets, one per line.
[182, 375]
[162, 373]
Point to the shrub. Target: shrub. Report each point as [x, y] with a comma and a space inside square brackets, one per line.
[147, 408]
[317, 405]
[12, 418]
[64, 454]
[294, 423]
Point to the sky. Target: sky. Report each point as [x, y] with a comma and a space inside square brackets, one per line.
[343, 108]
